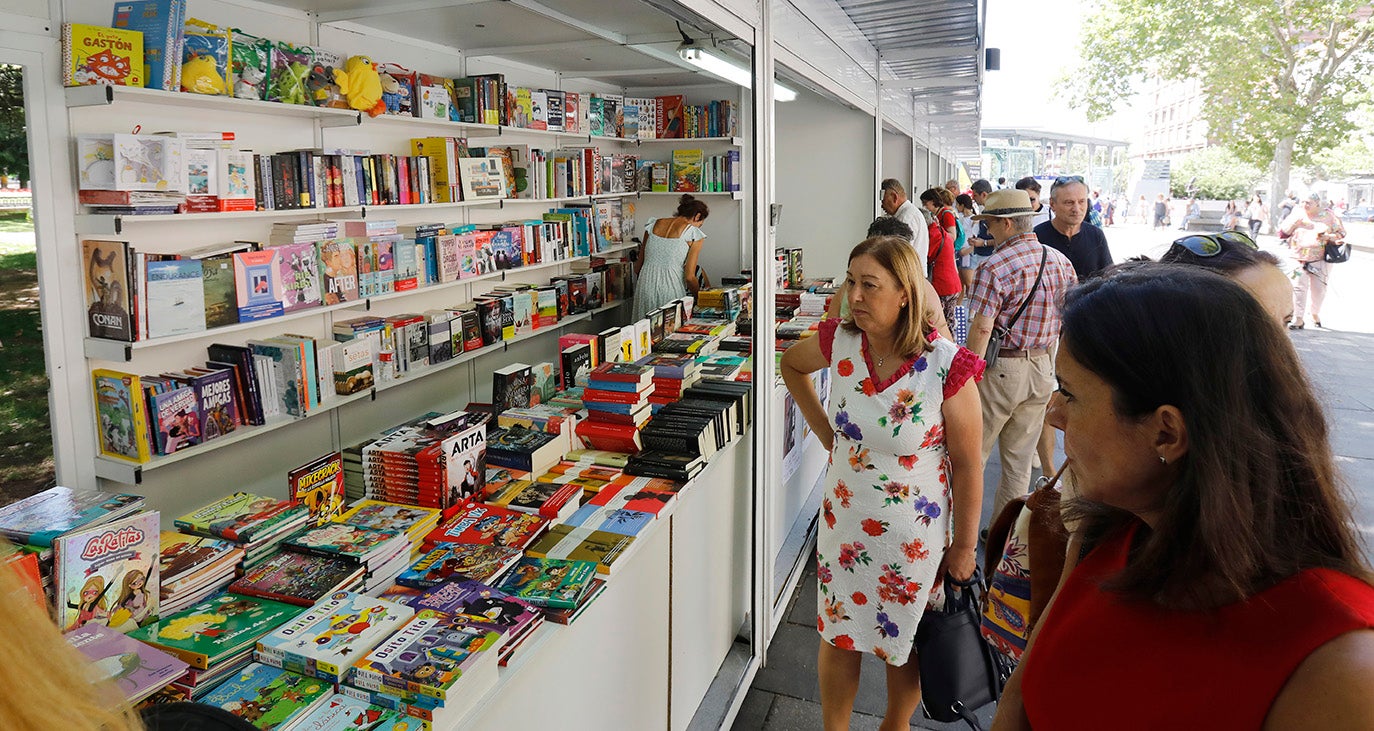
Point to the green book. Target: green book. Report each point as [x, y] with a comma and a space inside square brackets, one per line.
[221, 299]
[549, 582]
[216, 628]
[243, 517]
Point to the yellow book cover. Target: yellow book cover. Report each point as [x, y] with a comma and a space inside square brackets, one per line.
[95, 55]
[687, 171]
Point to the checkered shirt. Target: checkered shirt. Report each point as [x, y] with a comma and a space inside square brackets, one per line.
[1004, 280]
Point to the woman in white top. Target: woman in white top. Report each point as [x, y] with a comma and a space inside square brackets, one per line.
[667, 263]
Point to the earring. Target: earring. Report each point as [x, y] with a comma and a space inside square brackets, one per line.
[1162, 460]
[904, 304]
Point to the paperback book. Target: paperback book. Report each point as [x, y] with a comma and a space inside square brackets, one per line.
[457, 561]
[326, 639]
[298, 578]
[582, 544]
[242, 517]
[269, 697]
[108, 574]
[137, 669]
[217, 628]
[40, 518]
[551, 583]
[434, 655]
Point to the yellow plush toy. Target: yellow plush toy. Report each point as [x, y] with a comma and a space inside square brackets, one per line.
[199, 75]
[361, 84]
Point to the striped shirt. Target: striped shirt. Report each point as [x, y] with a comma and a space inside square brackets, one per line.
[1004, 280]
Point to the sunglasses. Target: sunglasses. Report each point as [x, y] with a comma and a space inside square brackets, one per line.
[1206, 245]
[1066, 179]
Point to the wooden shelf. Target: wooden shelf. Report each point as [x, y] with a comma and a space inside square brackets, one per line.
[93, 96]
[113, 224]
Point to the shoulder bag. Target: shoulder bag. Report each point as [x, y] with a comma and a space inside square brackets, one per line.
[1336, 252]
[960, 673]
[1000, 333]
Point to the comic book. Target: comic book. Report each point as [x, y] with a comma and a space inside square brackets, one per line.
[433, 655]
[217, 628]
[328, 637]
[241, 517]
[138, 670]
[318, 484]
[415, 521]
[342, 713]
[269, 697]
[298, 578]
[38, 519]
[448, 561]
[121, 415]
[108, 574]
[549, 582]
[184, 556]
[363, 546]
[480, 605]
[489, 525]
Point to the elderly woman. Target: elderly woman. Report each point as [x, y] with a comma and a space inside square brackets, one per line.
[1223, 584]
[1310, 228]
[903, 429]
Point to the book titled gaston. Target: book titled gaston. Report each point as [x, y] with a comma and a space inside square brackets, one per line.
[108, 574]
[95, 55]
[216, 629]
[325, 640]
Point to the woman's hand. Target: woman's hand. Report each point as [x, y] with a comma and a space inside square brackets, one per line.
[827, 440]
[960, 561]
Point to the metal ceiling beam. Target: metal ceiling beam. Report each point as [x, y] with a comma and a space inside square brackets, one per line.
[897, 55]
[334, 16]
[617, 74]
[917, 84]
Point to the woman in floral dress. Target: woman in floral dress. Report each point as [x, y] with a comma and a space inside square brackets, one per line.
[904, 430]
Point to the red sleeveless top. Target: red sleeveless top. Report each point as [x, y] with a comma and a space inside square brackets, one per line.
[1104, 661]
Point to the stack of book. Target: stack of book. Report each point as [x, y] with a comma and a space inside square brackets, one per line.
[617, 402]
[603, 548]
[479, 523]
[299, 578]
[457, 561]
[526, 450]
[340, 712]
[194, 568]
[215, 637]
[270, 697]
[552, 584]
[723, 366]
[433, 464]
[669, 465]
[327, 638]
[481, 605]
[672, 374]
[691, 427]
[383, 554]
[302, 233]
[550, 499]
[651, 500]
[254, 523]
[413, 520]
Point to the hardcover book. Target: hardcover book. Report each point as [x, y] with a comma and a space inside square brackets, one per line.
[40, 518]
[109, 308]
[297, 578]
[176, 420]
[138, 670]
[489, 525]
[455, 561]
[581, 544]
[269, 697]
[510, 387]
[121, 415]
[319, 485]
[108, 574]
[95, 55]
[480, 605]
[328, 637]
[551, 583]
[379, 515]
[241, 517]
[433, 655]
[217, 628]
[161, 23]
[348, 542]
[218, 407]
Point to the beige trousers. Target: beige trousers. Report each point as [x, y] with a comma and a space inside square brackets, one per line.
[1014, 394]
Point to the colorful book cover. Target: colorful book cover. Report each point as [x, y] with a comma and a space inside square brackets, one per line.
[219, 411]
[611, 520]
[176, 421]
[109, 312]
[95, 55]
[160, 22]
[108, 574]
[489, 525]
[139, 670]
[217, 284]
[319, 486]
[40, 518]
[429, 656]
[329, 636]
[549, 582]
[342, 713]
[478, 604]
[299, 267]
[348, 542]
[181, 555]
[240, 517]
[686, 176]
[338, 271]
[630, 497]
[121, 415]
[257, 279]
[297, 578]
[581, 544]
[217, 628]
[269, 697]
[453, 561]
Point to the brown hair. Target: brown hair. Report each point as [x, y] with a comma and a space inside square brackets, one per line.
[689, 207]
[899, 259]
[1257, 498]
[938, 196]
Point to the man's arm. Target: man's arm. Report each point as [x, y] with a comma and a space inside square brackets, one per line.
[979, 333]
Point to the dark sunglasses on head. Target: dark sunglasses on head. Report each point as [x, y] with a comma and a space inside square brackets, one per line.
[1066, 179]
[1210, 244]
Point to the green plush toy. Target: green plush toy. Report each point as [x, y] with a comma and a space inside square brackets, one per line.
[289, 85]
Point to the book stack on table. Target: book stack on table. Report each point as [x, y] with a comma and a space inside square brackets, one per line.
[194, 568]
[617, 403]
[382, 554]
[673, 372]
[254, 523]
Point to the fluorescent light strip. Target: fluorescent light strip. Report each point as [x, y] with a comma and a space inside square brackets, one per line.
[728, 70]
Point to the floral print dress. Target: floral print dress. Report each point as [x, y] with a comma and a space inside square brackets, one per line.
[885, 515]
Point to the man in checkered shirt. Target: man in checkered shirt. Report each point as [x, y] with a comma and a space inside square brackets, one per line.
[1015, 391]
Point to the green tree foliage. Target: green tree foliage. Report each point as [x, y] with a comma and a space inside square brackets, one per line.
[14, 144]
[1215, 173]
[1277, 75]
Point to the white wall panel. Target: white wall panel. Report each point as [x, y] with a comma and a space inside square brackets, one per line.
[897, 161]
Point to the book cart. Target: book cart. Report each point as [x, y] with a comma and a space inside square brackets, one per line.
[680, 631]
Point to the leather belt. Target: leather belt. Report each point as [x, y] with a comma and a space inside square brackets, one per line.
[1030, 353]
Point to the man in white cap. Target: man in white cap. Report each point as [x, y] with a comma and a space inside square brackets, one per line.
[1018, 291]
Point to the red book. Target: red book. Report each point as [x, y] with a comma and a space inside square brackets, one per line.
[609, 437]
[624, 373]
[612, 397]
[633, 497]
[491, 525]
[609, 417]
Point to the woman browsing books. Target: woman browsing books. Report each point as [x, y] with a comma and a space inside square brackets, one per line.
[904, 432]
[667, 262]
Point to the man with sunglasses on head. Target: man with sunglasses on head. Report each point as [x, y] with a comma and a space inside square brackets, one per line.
[1084, 244]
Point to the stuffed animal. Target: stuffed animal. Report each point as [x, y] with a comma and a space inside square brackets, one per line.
[289, 84]
[391, 93]
[249, 84]
[322, 89]
[200, 75]
[361, 84]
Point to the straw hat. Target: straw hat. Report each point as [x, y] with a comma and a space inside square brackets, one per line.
[1006, 203]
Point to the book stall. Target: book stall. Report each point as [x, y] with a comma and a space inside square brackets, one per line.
[365, 423]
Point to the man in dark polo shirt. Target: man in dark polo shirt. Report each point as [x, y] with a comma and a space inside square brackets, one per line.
[981, 240]
[1083, 243]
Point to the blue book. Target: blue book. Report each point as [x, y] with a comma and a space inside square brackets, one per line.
[161, 23]
[610, 519]
[269, 697]
[506, 250]
[622, 386]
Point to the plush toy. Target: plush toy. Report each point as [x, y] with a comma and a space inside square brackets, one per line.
[289, 84]
[200, 75]
[249, 84]
[361, 83]
[392, 92]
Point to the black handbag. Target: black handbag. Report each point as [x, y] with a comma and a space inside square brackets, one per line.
[1336, 252]
[960, 672]
[998, 333]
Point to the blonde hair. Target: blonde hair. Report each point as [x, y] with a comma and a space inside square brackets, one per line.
[896, 255]
[56, 691]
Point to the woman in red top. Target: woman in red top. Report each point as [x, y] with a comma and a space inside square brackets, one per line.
[1224, 586]
[944, 273]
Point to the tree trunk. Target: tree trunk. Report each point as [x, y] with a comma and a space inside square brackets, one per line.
[1278, 184]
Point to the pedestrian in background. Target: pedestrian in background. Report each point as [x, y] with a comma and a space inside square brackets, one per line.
[1256, 212]
[1161, 212]
[1032, 188]
[1310, 228]
[945, 239]
[896, 204]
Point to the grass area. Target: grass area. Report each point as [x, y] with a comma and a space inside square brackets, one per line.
[26, 463]
[15, 222]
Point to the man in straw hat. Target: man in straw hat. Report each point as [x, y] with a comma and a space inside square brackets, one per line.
[1015, 390]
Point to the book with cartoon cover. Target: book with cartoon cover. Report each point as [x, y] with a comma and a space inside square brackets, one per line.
[448, 561]
[108, 574]
[217, 628]
[348, 542]
[241, 517]
[480, 605]
[381, 515]
[268, 697]
[489, 525]
[330, 636]
[549, 582]
[40, 518]
[433, 655]
[342, 713]
[137, 669]
[297, 578]
[183, 556]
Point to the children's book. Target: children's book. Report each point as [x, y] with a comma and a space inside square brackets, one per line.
[342, 713]
[380, 515]
[686, 176]
[108, 574]
[549, 582]
[269, 697]
[257, 278]
[218, 408]
[176, 419]
[489, 525]
[137, 669]
[582, 544]
[160, 22]
[454, 561]
[433, 655]
[319, 485]
[241, 517]
[299, 267]
[480, 605]
[95, 55]
[330, 636]
[297, 578]
[348, 542]
[38, 519]
[217, 628]
[121, 416]
[182, 555]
